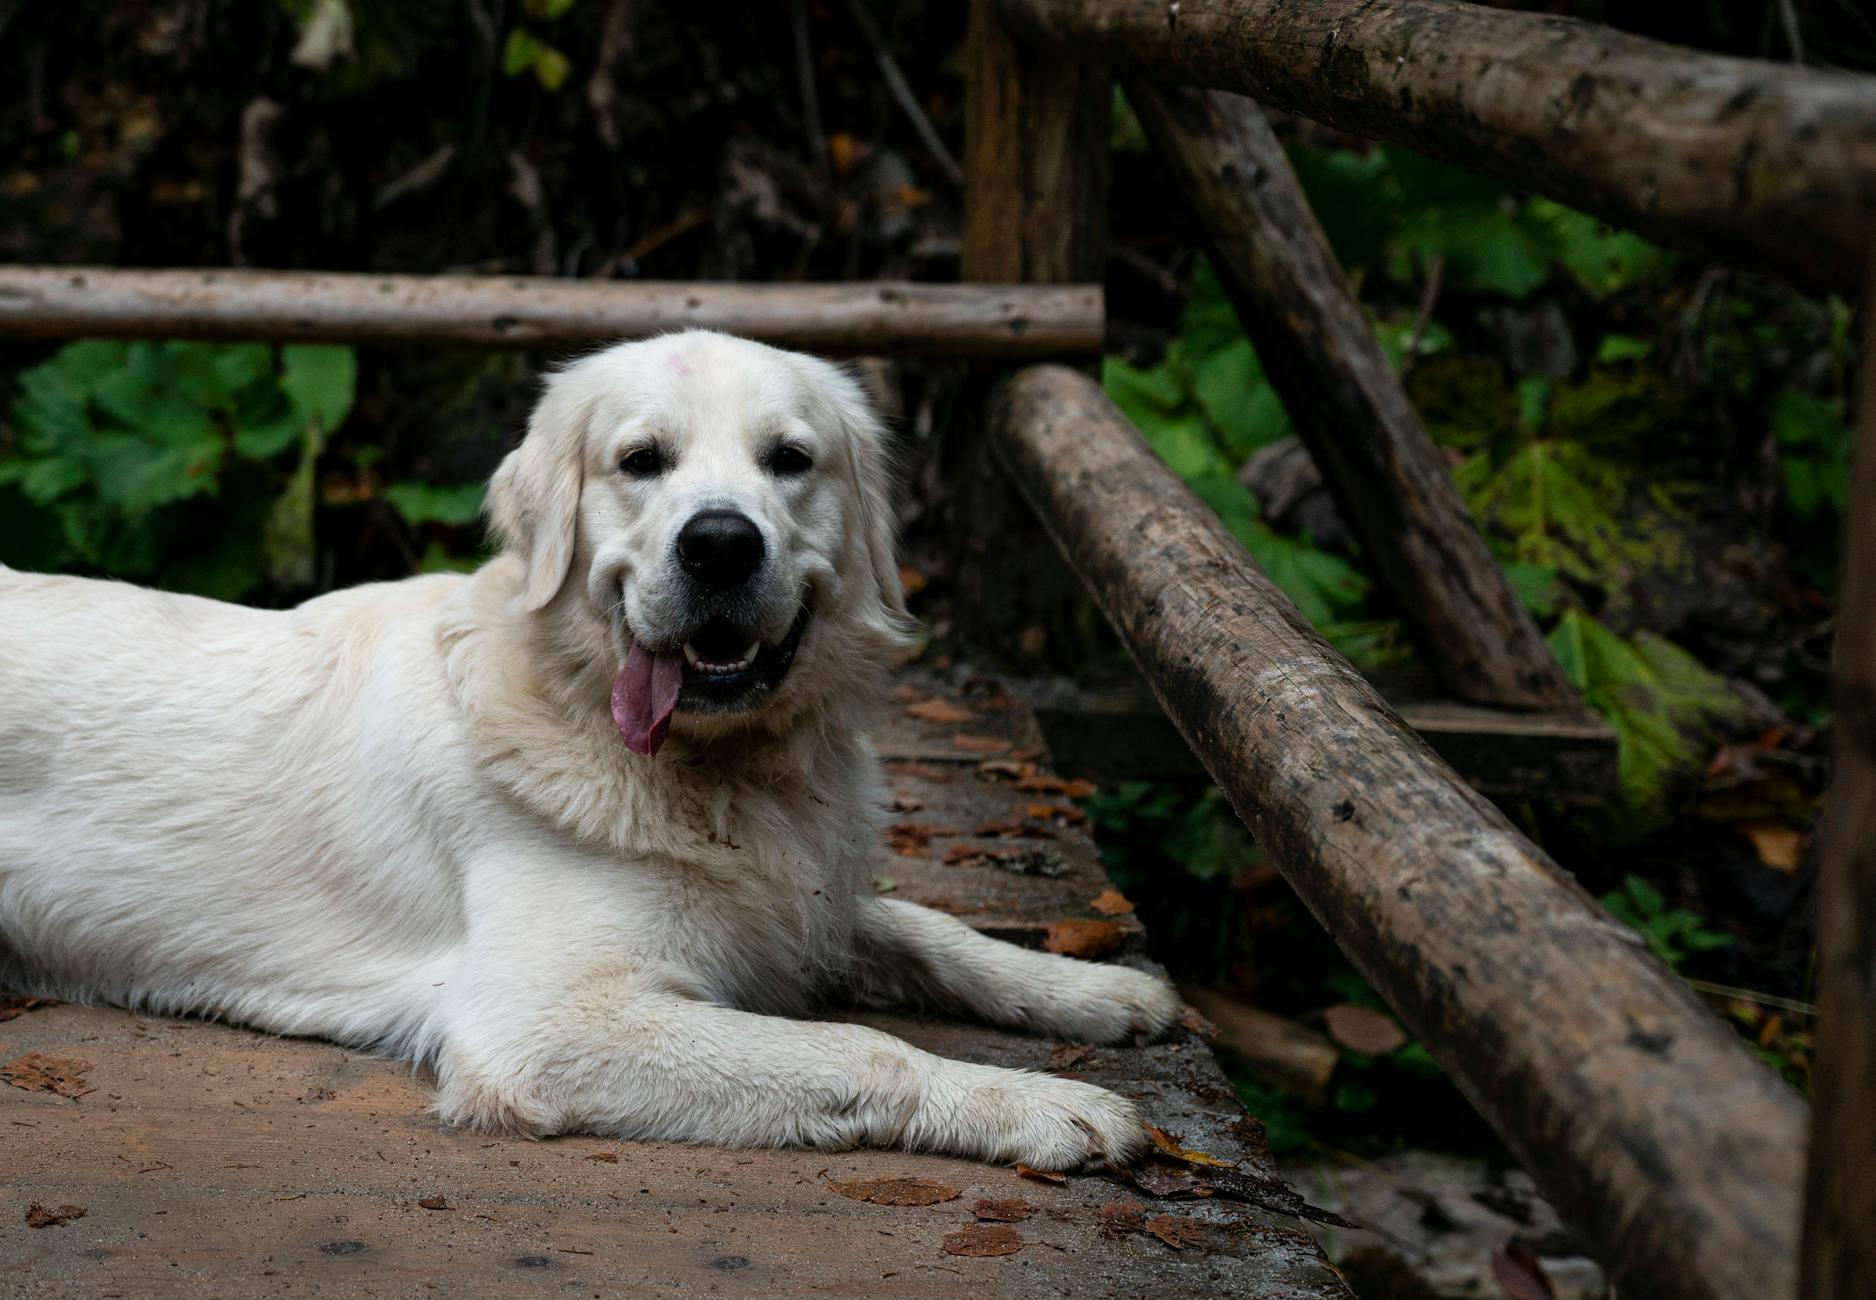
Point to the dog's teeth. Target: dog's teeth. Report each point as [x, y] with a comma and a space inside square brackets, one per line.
[754, 649]
[690, 655]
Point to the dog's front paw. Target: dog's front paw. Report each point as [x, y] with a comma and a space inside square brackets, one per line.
[1111, 1004]
[1039, 1120]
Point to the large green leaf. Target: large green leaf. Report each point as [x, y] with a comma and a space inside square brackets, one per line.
[320, 382]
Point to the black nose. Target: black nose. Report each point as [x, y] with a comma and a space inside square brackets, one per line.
[720, 548]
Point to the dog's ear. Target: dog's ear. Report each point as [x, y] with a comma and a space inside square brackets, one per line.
[534, 498]
[869, 468]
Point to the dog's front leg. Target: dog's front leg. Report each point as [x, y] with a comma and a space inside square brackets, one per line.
[625, 1056]
[911, 954]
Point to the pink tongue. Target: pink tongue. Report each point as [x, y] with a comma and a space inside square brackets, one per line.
[644, 696]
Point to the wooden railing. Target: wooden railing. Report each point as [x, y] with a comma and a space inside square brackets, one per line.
[1675, 1151]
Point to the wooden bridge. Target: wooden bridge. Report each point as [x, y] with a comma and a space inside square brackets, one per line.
[213, 1161]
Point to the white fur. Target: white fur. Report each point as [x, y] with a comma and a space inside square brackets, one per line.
[401, 816]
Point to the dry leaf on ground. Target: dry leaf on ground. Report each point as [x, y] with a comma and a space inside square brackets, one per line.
[906, 693]
[1010, 1211]
[605, 1157]
[1111, 902]
[37, 1072]
[1363, 1029]
[1044, 783]
[1779, 847]
[16, 1004]
[972, 744]
[1173, 1230]
[1193, 1019]
[1080, 938]
[1168, 1144]
[940, 712]
[896, 1191]
[983, 1239]
[1124, 1215]
[1040, 1175]
[908, 839]
[435, 1203]
[38, 1216]
[1165, 1179]
[1067, 1056]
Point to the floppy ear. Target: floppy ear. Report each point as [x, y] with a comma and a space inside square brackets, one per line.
[869, 467]
[534, 498]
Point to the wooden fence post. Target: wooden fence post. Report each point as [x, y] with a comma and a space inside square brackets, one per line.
[1840, 1211]
[1350, 411]
[1035, 212]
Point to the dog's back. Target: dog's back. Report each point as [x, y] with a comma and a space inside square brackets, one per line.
[188, 793]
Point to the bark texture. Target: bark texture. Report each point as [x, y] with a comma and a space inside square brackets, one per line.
[1387, 476]
[539, 312]
[1761, 165]
[1840, 1214]
[1035, 212]
[1677, 1153]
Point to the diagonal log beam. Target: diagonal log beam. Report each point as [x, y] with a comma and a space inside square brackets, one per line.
[1676, 1152]
[1763, 166]
[543, 312]
[1350, 411]
[1840, 1210]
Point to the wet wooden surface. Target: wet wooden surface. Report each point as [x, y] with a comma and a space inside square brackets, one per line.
[214, 1161]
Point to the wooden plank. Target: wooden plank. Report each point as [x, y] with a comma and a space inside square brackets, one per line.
[211, 1160]
[882, 318]
[1391, 482]
[1035, 212]
[1840, 1211]
[1118, 732]
[1675, 1151]
[1767, 166]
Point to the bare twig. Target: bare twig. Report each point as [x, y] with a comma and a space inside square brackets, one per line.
[1429, 299]
[810, 95]
[1794, 39]
[902, 92]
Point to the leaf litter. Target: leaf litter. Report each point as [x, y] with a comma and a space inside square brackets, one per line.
[896, 1191]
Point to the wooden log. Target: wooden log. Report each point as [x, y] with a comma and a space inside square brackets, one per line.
[1675, 1151]
[1840, 1212]
[1389, 479]
[1277, 1051]
[1035, 212]
[541, 312]
[1765, 166]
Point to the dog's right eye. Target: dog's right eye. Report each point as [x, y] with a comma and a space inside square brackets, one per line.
[646, 462]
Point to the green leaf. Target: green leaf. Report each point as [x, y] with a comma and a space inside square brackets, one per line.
[456, 504]
[1618, 348]
[546, 10]
[1603, 260]
[320, 382]
[520, 51]
[1230, 388]
[551, 68]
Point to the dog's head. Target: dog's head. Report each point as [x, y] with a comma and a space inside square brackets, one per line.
[723, 509]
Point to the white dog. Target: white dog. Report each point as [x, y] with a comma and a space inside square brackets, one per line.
[577, 830]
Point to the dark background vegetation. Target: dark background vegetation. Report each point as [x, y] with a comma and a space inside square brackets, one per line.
[1655, 447]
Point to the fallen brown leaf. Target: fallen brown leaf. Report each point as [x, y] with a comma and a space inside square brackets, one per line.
[1043, 783]
[1123, 1215]
[983, 1239]
[1165, 1179]
[906, 693]
[926, 771]
[940, 712]
[1520, 1273]
[908, 839]
[1014, 1210]
[1168, 1144]
[1173, 1230]
[38, 1216]
[15, 1004]
[1010, 767]
[434, 1203]
[1013, 828]
[1192, 1019]
[1363, 1029]
[1272, 1194]
[1066, 1056]
[972, 744]
[605, 1157]
[37, 1072]
[1111, 902]
[1081, 938]
[1779, 847]
[896, 1191]
[1040, 1175]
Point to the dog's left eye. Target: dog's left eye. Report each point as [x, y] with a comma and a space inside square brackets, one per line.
[789, 461]
[646, 462]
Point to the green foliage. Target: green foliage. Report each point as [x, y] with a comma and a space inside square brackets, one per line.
[1661, 701]
[1673, 934]
[189, 464]
[1201, 834]
[457, 505]
[1205, 408]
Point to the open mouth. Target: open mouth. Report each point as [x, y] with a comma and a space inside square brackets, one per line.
[723, 667]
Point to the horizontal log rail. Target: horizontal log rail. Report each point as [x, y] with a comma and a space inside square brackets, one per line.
[1759, 165]
[1676, 1152]
[540, 312]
